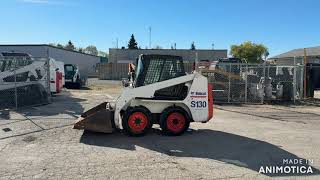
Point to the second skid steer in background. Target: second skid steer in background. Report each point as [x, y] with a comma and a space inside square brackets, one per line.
[162, 93]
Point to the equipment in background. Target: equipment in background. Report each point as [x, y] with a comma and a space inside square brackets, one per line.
[162, 93]
[23, 80]
[131, 75]
[72, 76]
[313, 78]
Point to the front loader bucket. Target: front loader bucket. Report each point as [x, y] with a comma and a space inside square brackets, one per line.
[97, 119]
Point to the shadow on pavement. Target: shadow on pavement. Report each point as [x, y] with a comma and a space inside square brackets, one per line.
[62, 103]
[4, 114]
[225, 147]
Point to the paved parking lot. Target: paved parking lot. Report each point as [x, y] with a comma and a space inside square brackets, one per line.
[39, 143]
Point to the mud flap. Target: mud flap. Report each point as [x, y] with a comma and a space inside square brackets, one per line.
[97, 119]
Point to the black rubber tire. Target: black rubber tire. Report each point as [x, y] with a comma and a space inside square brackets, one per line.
[78, 85]
[128, 113]
[164, 124]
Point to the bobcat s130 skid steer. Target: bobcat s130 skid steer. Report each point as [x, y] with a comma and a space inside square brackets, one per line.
[162, 93]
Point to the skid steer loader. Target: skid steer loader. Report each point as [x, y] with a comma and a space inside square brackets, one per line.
[162, 93]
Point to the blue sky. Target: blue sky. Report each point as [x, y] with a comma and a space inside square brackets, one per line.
[279, 24]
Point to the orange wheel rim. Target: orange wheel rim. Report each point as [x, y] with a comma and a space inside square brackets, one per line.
[176, 122]
[137, 122]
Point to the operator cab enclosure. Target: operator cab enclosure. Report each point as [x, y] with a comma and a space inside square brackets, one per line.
[157, 68]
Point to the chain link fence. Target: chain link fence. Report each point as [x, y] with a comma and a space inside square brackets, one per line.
[255, 83]
[242, 82]
[24, 81]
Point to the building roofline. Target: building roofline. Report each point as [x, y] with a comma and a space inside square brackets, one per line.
[288, 55]
[173, 49]
[48, 45]
[291, 58]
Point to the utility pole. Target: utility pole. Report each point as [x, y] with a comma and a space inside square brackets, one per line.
[150, 37]
[212, 46]
[117, 43]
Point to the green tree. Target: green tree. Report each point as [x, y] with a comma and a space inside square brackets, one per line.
[249, 52]
[59, 45]
[158, 47]
[132, 43]
[193, 47]
[80, 50]
[103, 54]
[56, 45]
[91, 50]
[69, 46]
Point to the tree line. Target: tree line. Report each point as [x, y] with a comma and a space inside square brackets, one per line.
[92, 50]
[132, 44]
[247, 52]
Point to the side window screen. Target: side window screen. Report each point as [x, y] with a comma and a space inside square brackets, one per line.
[154, 71]
[2, 64]
[168, 71]
[172, 69]
[179, 68]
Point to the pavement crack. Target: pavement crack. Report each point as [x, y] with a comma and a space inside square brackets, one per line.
[18, 135]
[4, 147]
[36, 124]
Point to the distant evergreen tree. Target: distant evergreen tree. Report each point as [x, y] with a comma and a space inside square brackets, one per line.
[158, 47]
[59, 45]
[70, 46]
[193, 47]
[132, 43]
[91, 50]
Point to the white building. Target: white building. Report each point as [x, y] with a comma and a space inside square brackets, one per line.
[85, 62]
[130, 55]
[287, 58]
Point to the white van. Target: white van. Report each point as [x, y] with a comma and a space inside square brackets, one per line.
[60, 65]
[56, 75]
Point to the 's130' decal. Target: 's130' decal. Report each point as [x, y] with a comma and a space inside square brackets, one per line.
[198, 104]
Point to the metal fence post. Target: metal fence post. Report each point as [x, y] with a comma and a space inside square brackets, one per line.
[301, 81]
[246, 85]
[305, 73]
[15, 89]
[47, 67]
[229, 80]
[294, 87]
[263, 85]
